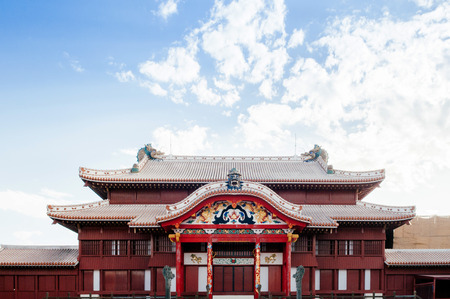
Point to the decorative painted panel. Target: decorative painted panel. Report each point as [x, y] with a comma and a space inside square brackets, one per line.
[195, 258]
[271, 258]
[224, 212]
[233, 261]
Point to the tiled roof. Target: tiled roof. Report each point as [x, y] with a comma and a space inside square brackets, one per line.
[330, 215]
[320, 216]
[417, 257]
[104, 211]
[192, 169]
[38, 256]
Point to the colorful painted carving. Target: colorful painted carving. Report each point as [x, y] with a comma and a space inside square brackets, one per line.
[233, 261]
[194, 231]
[224, 212]
[150, 152]
[209, 279]
[315, 153]
[257, 253]
[234, 231]
[234, 180]
[274, 231]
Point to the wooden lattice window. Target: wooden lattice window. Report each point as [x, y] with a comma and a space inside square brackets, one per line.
[163, 244]
[115, 247]
[303, 244]
[373, 247]
[325, 247]
[91, 247]
[141, 247]
[349, 247]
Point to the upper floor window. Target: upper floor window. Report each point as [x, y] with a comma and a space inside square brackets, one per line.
[303, 244]
[373, 247]
[349, 247]
[141, 247]
[163, 244]
[325, 247]
[90, 247]
[115, 247]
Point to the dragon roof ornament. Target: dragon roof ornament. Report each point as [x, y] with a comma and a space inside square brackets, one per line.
[146, 153]
[315, 153]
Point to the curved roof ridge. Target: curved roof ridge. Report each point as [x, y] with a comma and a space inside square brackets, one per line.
[380, 172]
[397, 209]
[294, 158]
[220, 188]
[75, 207]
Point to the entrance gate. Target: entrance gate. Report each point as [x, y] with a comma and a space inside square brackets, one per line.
[233, 270]
[233, 280]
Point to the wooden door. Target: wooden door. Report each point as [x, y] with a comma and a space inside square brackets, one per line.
[233, 279]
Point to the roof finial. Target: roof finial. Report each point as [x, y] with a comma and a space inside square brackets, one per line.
[295, 145]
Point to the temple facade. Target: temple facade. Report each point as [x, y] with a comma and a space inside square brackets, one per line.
[226, 226]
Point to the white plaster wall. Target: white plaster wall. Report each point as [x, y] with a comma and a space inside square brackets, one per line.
[317, 284]
[173, 287]
[367, 279]
[342, 280]
[202, 278]
[293, 286]
[96, 280]
[264, 278]
[147, 280]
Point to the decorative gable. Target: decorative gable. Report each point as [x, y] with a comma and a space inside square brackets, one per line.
[226, 212]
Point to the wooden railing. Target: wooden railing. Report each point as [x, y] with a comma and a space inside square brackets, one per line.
[351, 296]
[269, 296]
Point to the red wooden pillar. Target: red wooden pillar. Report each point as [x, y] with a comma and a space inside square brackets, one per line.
[210, 270]
[257, 267]
[179, 269]
[287, 269]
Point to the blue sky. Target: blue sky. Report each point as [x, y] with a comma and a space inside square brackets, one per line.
[87, 83]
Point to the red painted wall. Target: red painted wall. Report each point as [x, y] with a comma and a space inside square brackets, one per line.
[318, 197]
[36, 283]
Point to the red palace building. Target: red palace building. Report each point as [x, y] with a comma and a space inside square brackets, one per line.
[230, 225]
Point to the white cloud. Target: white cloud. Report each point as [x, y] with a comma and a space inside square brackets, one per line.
[423, 3]
[226, 113]
[204, 94]
[167, 8]
[54, 194]
[209, 96]
[246, 39]
[190, 141]
[180, 67]
[382, 96]
[29, 204]
[297, 38]
[74, 63]
[268, 125]
[124, 76]
[154, 88]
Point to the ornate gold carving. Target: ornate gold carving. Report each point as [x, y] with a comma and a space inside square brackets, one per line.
[271, 259]
[196, 259]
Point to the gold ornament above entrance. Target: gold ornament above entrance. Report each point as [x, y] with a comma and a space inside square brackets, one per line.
[226, 212]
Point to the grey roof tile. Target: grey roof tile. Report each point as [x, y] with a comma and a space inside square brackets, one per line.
[38, 256]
